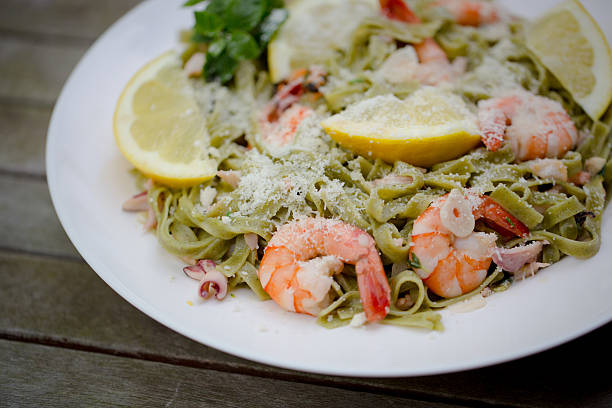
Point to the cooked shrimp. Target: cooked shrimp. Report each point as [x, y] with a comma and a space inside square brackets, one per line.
[302, 255]
[281, 116]
[471, 12]
[398, 10]
[290, 91]
[433, 65]
[534, 126]
[282, 131]
[549, 168]
[454, 258]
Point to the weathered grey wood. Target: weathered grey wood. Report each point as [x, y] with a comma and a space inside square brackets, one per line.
[69, 18]
[31, 70]
[27, 219]
[64, 303]
[35, 375]
[66, 300]
[22, 138]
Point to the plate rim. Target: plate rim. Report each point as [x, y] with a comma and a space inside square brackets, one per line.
[158, 315]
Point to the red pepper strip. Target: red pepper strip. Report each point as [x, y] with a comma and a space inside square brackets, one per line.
[398, 10]
[499, 219]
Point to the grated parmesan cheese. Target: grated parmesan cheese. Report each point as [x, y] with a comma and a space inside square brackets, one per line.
[284, 181]
[358, 320]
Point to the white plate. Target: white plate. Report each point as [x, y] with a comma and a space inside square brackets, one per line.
[88, 179]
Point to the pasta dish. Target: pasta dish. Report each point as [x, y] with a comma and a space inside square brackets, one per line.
[372, 161]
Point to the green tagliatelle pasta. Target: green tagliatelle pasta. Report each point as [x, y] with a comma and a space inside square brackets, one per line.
[314, 176]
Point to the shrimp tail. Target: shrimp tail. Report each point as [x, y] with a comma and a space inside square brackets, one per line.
[374, 288]
[493, 123]
[428, 50]
[398, 10]
[534, 126]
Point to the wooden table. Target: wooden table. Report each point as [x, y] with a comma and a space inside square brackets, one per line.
[66, 339]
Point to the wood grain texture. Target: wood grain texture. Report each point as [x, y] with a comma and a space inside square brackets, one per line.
[34, 71]
[51, 377]
[23, 131]
[105, 352]
[28, 221]
[64, 303]
[83, 19]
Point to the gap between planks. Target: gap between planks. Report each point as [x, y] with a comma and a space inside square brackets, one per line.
[77, 317]
[536, 380]
[87, 377]
[22, 174]
[28, 222]
[47, 38]
[272, 373]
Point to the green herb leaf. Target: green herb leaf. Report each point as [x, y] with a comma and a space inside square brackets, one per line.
[414, 261]
[234, 30]
[241, 45]
[218, 7]
[272, 4]
[219, 67]
[216, 47]
[189, 3]
[270, 25]
[207, 24]
[199, 38]
[244, 14]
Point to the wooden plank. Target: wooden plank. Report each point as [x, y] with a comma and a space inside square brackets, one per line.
[23, 133]
[35, 71]
[69, 18]
[64, 303]
[28, 221]
[84, 310]
[35, 375]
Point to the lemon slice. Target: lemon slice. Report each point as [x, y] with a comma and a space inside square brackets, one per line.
[159, 127]
[430, 126]
[572, 46]
[314, 32]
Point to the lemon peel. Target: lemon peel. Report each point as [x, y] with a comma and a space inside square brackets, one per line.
[430, 126]
[570, 44]
[159, 128]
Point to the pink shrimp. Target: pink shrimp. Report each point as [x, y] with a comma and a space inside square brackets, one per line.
[434, 66]
[398, 10]
[281, 116]
[281, 131]
[299, 259]
[471, 12]
[453, 258]
[535, 126]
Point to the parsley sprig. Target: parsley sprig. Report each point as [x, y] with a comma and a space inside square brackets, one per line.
[235, 30]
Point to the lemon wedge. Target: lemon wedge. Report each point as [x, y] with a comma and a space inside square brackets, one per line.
[572, 46]
[430, 126]
[314, 32]
[158, 125]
